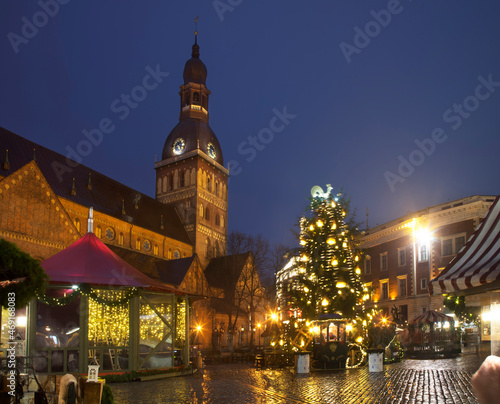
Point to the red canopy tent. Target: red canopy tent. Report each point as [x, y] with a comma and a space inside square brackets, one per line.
[89, 260]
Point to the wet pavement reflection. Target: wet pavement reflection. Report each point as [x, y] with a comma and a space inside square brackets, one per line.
[410, 381]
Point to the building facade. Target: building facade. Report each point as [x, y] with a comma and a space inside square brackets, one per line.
[402, 256]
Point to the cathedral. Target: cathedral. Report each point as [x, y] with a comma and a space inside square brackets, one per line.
[179, 237]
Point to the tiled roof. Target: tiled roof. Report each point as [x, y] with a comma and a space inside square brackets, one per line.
[105, 194]
[223, 272]
[172, 272]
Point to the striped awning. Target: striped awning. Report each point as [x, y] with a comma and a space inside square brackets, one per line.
[432, 316]
[478, 263]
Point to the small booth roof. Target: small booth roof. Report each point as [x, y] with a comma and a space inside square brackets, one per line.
[431, 316]
[89, 260]
[478, 263]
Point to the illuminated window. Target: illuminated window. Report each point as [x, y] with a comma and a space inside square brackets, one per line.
[222, 221]
[138, 244]
[423, 283]
[383, 261]
[202, 211]
[98, 231]
[169, 255]
[156, 250]
[120, 239]
[78, 225]
[384, 289]
[422, 253]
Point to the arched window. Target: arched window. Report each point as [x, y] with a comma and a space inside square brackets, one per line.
[182, 180]
[209, 184]
[207, 213]
[138, 244]
[216, 249]
[156, 250]
[120, 239]
[165, 185]
[208, 250]
[222, 221]
[186, 178]
[216, 188]
[196, 99]
[217, 219]
[158, 186]
[98, 231]
[169, 256]
[202, 212]
[170, 182]
[78, 225]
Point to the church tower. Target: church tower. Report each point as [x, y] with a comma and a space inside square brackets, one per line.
[191, 173]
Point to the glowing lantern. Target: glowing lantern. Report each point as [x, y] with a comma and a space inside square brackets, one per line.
[331, 241]
[319, 223]
[341, 284]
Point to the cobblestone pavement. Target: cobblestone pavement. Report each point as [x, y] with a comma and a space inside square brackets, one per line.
[410, 381]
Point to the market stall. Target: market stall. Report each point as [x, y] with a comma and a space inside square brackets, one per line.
[99, 306]
[432, 335]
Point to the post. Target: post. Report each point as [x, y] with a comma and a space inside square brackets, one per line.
[134, 333]
[186, 334]
[83, 337]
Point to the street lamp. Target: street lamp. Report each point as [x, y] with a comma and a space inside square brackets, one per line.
[260, 332]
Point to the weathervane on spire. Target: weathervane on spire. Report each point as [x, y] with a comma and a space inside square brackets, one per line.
[196, 28]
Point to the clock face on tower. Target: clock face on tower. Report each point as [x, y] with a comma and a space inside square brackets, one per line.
[179, 146]
[211, 150]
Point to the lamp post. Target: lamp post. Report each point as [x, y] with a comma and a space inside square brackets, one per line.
[421, 237]
[260, 332]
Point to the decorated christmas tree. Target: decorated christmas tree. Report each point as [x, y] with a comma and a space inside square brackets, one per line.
[329, 277]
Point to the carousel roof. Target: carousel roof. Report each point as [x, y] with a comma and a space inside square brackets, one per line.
[89, 260]
[432, 316]
[478, 263]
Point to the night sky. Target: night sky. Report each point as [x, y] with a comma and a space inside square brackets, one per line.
[355, 85]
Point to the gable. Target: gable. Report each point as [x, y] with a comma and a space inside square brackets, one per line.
[194, 280]
[32, 215]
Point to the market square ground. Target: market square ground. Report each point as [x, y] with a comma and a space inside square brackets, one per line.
[410, 381]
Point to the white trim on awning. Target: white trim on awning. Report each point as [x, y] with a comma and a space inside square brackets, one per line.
[478, 263]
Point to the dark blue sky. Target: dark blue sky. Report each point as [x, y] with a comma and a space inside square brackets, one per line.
[362, 94]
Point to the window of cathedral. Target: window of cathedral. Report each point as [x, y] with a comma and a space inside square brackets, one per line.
[110, 233]
[169, 255]
[138, 244]
[158, 186]
[217, 219]
[207, 213]
[216, 189]
[156, 250]
[202, 212]
[170, 182]
[98, 231]
[196, 99]
[78, 225]
[120, 239]
[208, 249]
[183, 179]
[209, 184]
[165, 186]
[222, 221]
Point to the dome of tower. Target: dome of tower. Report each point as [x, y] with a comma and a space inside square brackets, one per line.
[195, 70]
[192, 134]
